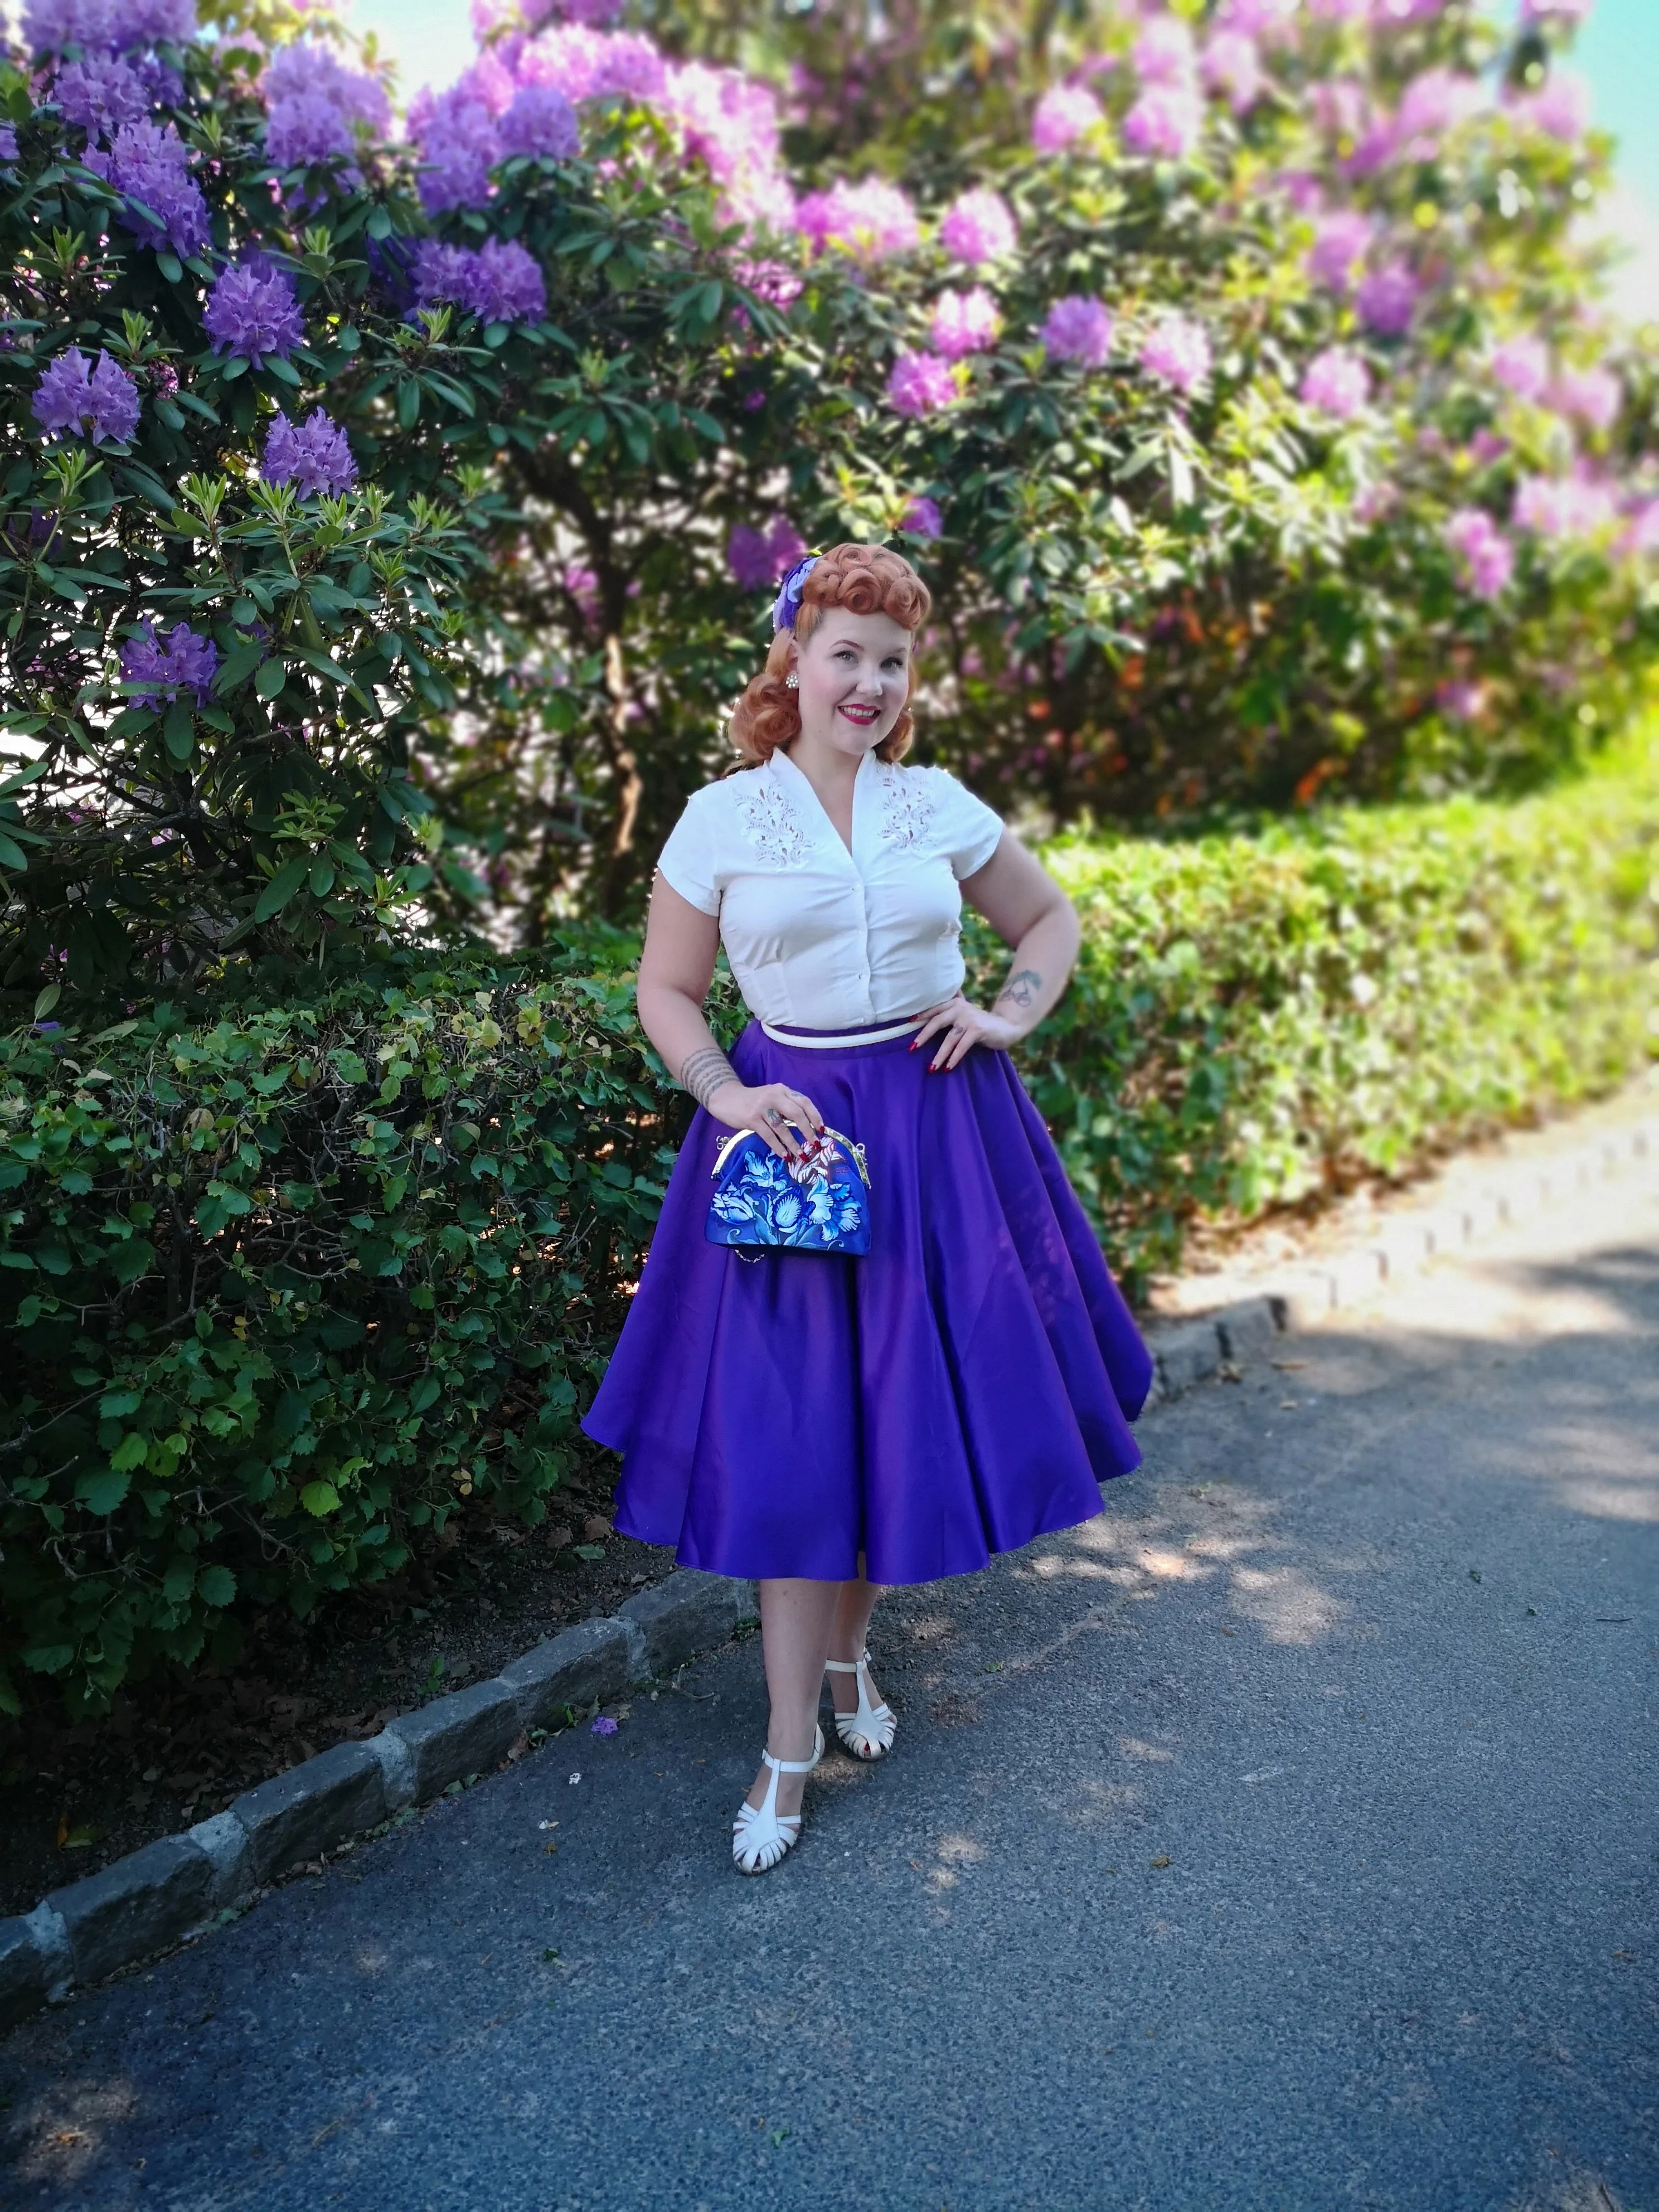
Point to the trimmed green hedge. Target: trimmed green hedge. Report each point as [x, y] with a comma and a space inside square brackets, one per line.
[1255, 1018]
[279, 1292]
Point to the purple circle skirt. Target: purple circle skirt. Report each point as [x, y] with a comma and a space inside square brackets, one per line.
[965, 1387]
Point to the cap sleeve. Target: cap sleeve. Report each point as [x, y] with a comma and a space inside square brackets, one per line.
[687, 862]
[969, 830]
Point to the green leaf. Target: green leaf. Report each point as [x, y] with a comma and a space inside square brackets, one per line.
[271, 679]
[103, 1491]
[47, 999]
[12, 856]
[215, 1585]
[170, 267]
[130, 1452]
[319, 1498]
[179, 733]
[281, 889]
[129, 1260]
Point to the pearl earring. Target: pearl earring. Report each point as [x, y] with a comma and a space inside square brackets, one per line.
[792, 681]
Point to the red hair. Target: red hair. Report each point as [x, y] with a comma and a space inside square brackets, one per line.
[864, 579]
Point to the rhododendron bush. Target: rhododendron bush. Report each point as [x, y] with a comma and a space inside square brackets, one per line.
[381, 495]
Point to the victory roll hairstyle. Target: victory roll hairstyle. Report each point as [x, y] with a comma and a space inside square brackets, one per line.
[864, 579]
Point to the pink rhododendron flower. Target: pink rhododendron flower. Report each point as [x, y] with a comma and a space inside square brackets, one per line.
[1591, 396]
[1232, 65]
[870, 220]
[1386, 300]
[1461, 700]
[1340, 244]
[977, 228]
[1164, 53]
[1065, 113]
[1559, 11]
[1642, 535]
[1340, 107]
[1270, 20]
[1080, 330]
[964, 322]
[1178, 350]
[1339, 11]
[1336, 382]
[920, 384]
[1433, 104]
[1561, 107]
[1557, 507]
[1486, 447]
[1166, 121]
[1522, 365]
[1486, 556]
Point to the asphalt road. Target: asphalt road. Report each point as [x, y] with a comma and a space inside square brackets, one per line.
[1286, 1839]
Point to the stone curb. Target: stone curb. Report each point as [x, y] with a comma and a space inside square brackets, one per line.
[174, 1889]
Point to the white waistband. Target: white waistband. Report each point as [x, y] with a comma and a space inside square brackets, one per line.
[835, 1043]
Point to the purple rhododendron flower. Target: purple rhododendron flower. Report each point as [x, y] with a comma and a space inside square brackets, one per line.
[8, 143]
[316, 104]
[1486, 447]
[1078, 329]
[460, 147]
[52, 26]
[1487, 556]
[757, 558]
[1178, 350]
[1163, 53]
[964, 322]
[1065, 113]
[1522, 365]
[101, 92]
[251, 312]
[105, 400]
[152, 165]
[870, 220]
[1337, 382]
[185, 663]
[1232, 65]
[977, 228]
[315, 456]
[1461, 700]
[1340, 244]
[504, 284]
[1591, 396]
[440, 272]
[1387, 299]
[1167, 121]
[920, 384]
[540, 125]
[1559, 11]
[922, 519]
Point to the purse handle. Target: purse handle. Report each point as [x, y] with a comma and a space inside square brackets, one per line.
[854, 1153]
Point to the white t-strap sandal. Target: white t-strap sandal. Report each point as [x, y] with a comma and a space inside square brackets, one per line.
[869, 1732]
[760, 1834]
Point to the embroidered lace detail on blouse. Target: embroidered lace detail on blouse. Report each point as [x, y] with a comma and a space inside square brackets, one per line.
[908, 807]
[772, 825]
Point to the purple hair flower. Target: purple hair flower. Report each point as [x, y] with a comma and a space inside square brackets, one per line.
[151, 166]
[105, 400]
[1078, 329]
[920, 384]
[977, 228]
[787, 606]
[185, 663]
[251, 312]
[922, 519]
[540, 125]
[504, 284]
[315, 456]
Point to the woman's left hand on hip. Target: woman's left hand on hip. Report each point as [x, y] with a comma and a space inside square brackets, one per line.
[959, 1027]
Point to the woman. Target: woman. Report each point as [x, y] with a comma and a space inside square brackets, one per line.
[830, 1424]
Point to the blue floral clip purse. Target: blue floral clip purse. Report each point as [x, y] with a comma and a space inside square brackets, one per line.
[818, 1203]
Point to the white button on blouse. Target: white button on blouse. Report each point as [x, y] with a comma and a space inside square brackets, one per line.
[819, 936]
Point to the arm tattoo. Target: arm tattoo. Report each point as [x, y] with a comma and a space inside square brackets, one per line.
[1022, 987]
[705, 1071]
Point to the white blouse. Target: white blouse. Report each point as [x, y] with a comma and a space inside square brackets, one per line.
[817, 936]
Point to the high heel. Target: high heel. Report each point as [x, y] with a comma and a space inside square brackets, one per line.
[868, 1733]
[760, 1834]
